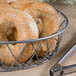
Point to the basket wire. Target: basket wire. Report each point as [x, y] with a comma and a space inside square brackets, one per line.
[34, 59]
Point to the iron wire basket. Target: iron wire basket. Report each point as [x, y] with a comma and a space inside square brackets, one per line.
[32, 62]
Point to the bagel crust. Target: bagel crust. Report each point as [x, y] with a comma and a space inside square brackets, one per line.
[21, 26]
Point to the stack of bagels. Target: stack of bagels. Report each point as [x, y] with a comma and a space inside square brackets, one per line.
[23, 20]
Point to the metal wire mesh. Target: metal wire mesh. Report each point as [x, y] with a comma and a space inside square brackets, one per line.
[35, 60]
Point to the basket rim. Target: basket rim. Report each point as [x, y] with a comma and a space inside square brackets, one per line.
[43, 38]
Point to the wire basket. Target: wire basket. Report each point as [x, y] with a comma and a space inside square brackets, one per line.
[34, 60]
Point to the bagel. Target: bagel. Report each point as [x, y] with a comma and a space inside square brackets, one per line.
[50, 23]
[21, 26]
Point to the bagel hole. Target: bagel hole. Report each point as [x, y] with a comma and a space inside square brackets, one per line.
[11, 36]
[39, 25]
[37, 22]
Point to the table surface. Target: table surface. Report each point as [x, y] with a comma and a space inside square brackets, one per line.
[68, 39]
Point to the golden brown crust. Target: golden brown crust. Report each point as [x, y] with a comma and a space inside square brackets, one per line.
[23, 27]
